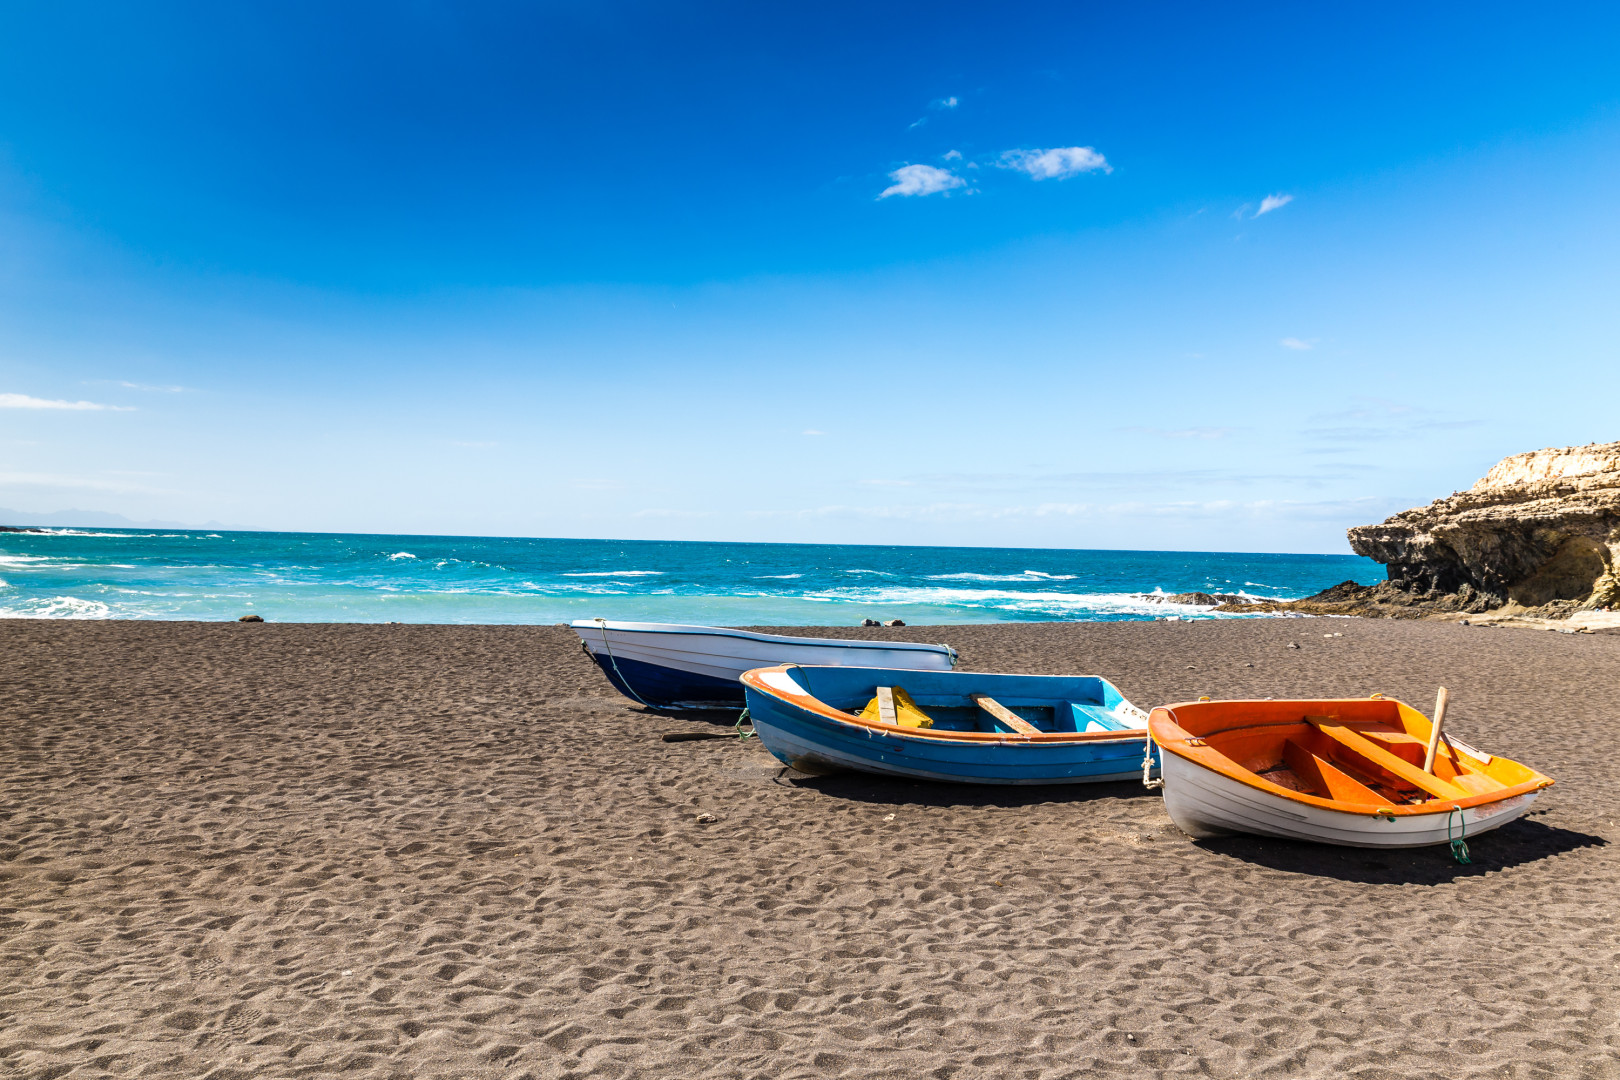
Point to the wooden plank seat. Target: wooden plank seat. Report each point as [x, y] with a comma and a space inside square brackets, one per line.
[1004, 714]
[1325, 779]
[1383, 759]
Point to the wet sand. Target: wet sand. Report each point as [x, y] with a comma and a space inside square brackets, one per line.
[409, 851]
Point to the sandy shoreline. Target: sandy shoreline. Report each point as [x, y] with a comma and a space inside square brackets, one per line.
[416, 851]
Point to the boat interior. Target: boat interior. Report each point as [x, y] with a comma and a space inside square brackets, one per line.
[1368, 752]
[961, 701]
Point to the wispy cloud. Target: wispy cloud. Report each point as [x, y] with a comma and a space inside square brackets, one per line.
[75, 483]
[953, 155]
[1372, 420]
[666, 512]
[1297, 343]
[23, 401]
[1068, 484]
[151, 389]
[938, 103]
[1056, 164]
[921, 180]
[1185, 433]
[1273, 202]
[1329, 510]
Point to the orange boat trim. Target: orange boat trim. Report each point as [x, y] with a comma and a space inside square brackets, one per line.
[815, 705]
[1171, 737]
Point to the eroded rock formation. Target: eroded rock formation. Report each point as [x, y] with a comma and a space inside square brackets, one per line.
[1540, 533]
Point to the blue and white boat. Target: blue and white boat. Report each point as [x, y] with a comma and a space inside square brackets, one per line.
[672, 666]
[963, 726]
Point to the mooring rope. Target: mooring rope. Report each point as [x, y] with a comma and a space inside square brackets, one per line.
[614, 660]
[1459, 846]
[1152, 784]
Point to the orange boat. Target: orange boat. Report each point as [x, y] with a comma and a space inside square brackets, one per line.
[1337, 772]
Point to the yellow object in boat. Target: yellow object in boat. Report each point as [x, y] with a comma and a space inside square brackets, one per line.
[906, 713]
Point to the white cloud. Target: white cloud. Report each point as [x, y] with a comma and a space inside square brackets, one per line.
[23, 401]
[1056, 164]
[953, 155]
[1273, 202]
[921, 180]
[1296, 343]
[813, 431]
[76, 483]
[152, 389]
[1185, 433]
[947, 102]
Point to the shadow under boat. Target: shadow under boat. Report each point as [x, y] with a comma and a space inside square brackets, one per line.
[1518, 843]
[898, 791]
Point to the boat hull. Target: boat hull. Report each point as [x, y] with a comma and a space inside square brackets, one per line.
[1205, 805]
[811, 741]
[1332, 771]
[673, 666]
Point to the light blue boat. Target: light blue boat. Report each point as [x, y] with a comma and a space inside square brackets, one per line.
[986, 728]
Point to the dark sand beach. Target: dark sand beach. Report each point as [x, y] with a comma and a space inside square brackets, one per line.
[415, 851]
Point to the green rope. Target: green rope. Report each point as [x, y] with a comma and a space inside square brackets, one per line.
[1459, 846]
[614, 660]
[741, 734]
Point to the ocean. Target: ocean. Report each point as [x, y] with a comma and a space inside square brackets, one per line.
[323, 577]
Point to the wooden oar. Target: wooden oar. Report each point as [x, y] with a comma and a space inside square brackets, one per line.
[1440, 703]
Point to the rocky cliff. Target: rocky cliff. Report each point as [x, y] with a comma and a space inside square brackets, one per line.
[1539, 534]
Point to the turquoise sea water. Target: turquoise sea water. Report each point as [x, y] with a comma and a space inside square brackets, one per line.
[315, 577]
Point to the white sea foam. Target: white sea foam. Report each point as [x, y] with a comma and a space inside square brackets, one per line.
[58, 607]
[86, 532]
[20, 562]
[1045, 603]
[1027, 575]
[402, 555]
[779, 577]
[613, 573]
[879, 573]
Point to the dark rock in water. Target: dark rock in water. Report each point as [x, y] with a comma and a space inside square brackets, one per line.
[1197, 599]
[21, 529]
[870, 622]
[251, 618]
[1200, 599]
[895, 622]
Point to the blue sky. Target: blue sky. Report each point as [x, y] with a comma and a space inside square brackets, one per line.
[1172, 276]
